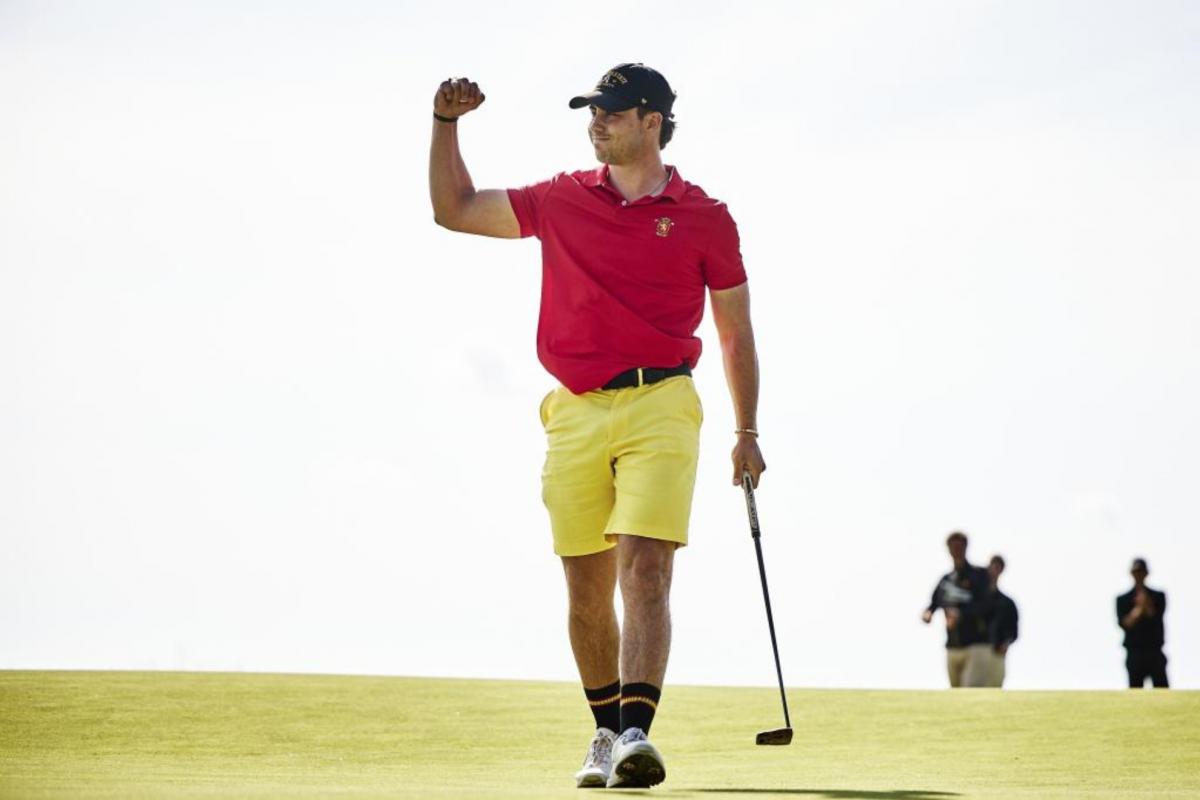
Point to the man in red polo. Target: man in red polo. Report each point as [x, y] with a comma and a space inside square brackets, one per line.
[628, 250]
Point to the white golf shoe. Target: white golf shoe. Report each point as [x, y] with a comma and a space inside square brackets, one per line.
[635, 762]
[597, 764]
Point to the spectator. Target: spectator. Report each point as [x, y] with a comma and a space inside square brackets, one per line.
[1002, 623]
[962, 594]
[1140, 613]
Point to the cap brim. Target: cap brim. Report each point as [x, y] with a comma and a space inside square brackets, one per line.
[609, 102]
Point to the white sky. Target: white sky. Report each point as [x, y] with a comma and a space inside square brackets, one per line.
[257, 412]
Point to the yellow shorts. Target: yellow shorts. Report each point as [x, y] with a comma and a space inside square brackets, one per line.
[620, 461]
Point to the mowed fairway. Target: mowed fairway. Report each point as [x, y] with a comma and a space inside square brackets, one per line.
[192, 735]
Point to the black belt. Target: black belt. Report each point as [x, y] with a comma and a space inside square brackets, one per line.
[641, 376]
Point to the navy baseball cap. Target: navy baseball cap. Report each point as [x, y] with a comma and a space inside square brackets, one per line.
[630, 86]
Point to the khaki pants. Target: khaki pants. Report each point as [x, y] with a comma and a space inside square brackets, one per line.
[969, 666]
[994, 669]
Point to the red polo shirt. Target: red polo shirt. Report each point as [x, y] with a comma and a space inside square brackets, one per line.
[623, 282]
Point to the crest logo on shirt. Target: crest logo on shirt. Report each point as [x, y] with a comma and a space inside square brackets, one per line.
[663, 225]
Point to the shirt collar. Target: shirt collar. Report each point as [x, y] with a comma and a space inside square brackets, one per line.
[597, 177]
[675, 186]
[672, 191]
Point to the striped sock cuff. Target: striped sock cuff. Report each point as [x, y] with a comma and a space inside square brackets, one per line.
[639, 701]
[606, 706]
[650, 701]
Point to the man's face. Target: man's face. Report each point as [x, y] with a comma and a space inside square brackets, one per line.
[994, 570]
[619, 137]
[958, 550]
[1138, 574]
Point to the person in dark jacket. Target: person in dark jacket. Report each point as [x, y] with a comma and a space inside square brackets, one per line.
[962, 595]
[1140, 614]
[1002, 624]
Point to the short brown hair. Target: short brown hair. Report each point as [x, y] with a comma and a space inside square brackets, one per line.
[957, 536]
[666, 131]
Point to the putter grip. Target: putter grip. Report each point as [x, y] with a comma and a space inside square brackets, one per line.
[751, 506]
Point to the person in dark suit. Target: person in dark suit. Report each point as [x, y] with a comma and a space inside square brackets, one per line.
[1002, 624]
[1140, 614]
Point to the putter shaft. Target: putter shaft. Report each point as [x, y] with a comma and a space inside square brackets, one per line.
[756, 534]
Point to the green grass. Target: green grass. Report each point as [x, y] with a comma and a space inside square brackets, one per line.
[199, 735]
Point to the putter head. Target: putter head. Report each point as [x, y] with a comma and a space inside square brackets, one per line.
[778, 736]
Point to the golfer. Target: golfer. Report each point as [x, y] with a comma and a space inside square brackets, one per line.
[628, 250]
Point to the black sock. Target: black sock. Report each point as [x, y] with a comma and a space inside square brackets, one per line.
[606, 705]
[639, 701]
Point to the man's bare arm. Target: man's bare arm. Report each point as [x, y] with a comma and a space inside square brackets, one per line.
[457, 205]
[731, 313]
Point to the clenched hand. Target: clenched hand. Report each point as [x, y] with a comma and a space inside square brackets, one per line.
[457, 96]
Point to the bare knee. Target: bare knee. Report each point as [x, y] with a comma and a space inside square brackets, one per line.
[645, 570]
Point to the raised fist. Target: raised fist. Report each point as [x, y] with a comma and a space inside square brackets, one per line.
[457, 96]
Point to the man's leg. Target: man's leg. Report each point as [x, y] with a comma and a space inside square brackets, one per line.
[595, 639]
[592, 623]
[976, 672]
[644, 570]
[656, 444]
[1133, 665]
[956, 662]
[1158, 674]
[994, 671]
[644, 573]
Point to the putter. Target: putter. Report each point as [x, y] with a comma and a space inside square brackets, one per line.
[779, 735]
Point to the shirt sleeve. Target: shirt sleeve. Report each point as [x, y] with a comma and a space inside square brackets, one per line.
[935, 602]
[527, 203]
[723, 267]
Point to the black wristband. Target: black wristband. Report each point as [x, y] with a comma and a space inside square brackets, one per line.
[440, 118]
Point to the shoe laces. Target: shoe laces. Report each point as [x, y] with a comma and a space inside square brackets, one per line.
[633, 735]
[599, 750]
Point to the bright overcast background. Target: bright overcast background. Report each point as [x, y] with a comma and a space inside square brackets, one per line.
[257, 412]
